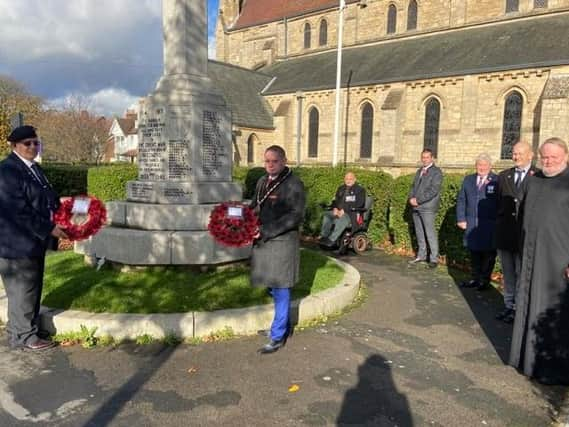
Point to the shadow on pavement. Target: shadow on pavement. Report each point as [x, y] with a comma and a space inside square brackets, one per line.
[116, 402]
[375, 399]
[484, 305]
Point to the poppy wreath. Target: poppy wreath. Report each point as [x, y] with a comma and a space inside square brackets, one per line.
[230, 230]
[90, 224]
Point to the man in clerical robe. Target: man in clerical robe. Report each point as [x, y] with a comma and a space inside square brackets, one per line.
[540, 342]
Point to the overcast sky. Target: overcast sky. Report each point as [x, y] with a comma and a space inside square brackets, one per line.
[109, 52]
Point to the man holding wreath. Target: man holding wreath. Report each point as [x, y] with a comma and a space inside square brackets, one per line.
[279, 201]
[27, 205]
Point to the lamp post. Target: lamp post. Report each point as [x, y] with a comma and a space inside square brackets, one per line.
[338, 83]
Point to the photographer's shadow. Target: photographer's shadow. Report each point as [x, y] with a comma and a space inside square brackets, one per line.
[375, 399]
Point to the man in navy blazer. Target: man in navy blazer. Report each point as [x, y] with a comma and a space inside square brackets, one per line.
[27, 204]
[476, 210]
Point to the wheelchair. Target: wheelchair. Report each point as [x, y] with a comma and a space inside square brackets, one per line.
[354, 237]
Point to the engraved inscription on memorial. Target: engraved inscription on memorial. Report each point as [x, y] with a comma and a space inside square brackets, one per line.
[139, 190]
[152, 148]
[178, 160]
[213, 149]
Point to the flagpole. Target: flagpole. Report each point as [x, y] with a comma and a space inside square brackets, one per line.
[338, 83]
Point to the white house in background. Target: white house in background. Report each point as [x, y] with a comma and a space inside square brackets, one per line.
[123, 138]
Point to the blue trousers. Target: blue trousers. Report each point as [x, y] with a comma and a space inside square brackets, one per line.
[280, 325]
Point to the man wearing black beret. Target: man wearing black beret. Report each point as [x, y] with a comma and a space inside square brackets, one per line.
[27, 204]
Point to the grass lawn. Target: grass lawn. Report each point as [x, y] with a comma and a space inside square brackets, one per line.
[70, 284]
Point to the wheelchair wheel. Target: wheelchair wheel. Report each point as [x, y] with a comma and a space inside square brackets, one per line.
[359, 243]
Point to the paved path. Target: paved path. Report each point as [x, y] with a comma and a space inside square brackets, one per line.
[418, 352]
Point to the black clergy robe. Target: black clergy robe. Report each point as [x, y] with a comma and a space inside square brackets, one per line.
[540, 341]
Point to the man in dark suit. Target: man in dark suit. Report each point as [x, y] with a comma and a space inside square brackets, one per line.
[279, 200]
[27, 204]
[476, 209]
[349, 196]
[511, 184]
[424, 198]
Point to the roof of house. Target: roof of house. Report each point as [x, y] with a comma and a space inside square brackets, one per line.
[256, 12]
[241, 89]
[520, 44]
[128, 125]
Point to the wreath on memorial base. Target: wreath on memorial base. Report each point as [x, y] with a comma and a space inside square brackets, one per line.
[81, 226]
[236, 231]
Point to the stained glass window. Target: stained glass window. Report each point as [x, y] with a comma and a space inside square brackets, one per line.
[432, 123]
[313, 130]
[512, 123]
[512, 6]
[412, 13]
[307, 35]
[366, 136]
[391, 19]
[323, 36]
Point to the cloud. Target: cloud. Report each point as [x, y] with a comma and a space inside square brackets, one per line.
[104, 49]
[106, 102]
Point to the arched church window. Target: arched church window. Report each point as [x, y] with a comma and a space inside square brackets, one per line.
[432, 123]
[313, 130]
[323, 36]
[512, 125]
[512, 6]
[366, 137]
[307, 35]
[251, 148]
[538, 4]
[412, 13]
[391, 19]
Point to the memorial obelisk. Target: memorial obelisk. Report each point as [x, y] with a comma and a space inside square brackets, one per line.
[185, 159]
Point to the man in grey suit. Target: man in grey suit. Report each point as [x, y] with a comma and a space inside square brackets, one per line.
[424, 199]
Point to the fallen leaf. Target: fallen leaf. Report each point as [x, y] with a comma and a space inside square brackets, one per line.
[293, 388]
[192, 370]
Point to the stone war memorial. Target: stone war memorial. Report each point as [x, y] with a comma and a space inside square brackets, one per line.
[185, 160]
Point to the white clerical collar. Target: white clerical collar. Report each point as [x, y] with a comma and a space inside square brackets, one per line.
[26, 161]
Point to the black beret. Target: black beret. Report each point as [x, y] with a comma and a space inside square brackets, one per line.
[21, 133]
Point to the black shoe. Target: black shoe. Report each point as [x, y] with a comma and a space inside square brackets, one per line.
[505, 312]
[416, 261]
[37, 345]
[483, 287]
[470, 284]
[43, 334]
[326, 242]
[272, 346]
[433, 264]
[510, 317]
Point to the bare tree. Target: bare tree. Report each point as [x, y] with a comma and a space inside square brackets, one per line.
[73, 135]
[14, 98]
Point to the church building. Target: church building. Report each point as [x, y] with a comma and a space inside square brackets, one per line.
[460, 77]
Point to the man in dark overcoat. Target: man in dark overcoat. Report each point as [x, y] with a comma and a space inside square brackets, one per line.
[349, 196]
[540, 341]
[424, 199]
[280, 201]
[511, 183]
[27, 204]
[476, 210]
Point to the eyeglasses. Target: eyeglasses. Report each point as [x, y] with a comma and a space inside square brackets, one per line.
[28, 143]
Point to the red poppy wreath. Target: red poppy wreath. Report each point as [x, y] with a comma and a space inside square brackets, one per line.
[233, 224]
[81, 217]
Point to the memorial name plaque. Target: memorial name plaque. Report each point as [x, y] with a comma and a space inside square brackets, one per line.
[214, 151]
[140, 190]
[152, 148]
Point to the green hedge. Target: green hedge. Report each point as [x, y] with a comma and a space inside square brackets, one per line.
[321, 184]
[391, 214]
[109, 182]
[401, 223]
[67, 180]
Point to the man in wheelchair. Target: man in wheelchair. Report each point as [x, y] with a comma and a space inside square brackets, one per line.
[345, 212]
